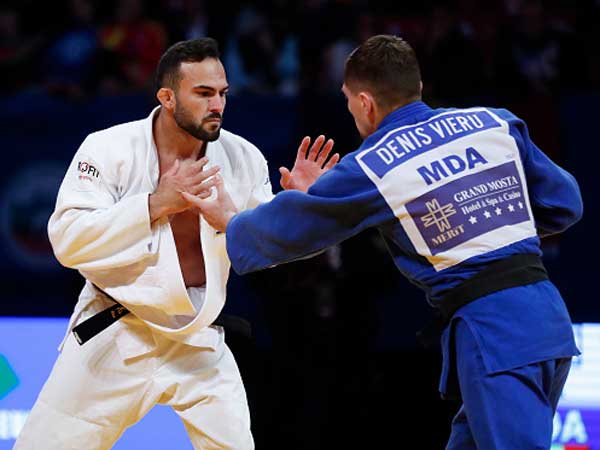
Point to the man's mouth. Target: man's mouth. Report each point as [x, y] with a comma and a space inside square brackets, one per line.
[213, 118]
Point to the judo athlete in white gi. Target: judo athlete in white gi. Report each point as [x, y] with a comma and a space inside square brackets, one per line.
[120, 219]
[461, 197]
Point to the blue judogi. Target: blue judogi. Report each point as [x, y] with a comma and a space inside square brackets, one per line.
[451, 191]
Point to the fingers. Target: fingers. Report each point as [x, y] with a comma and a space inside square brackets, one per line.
[192, 199]
[324, 153]
[196, 199]
[316, 147]
[332, 161]
[220, 185]
[190, 167]
[202, 187]
[199, 165]
[285, 177]
[303, 148]
[203, 175]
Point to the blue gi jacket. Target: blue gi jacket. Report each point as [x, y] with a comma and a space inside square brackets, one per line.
[450, 190]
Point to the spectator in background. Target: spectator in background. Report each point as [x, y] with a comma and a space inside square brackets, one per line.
[185, 19]
[536, 61]
[9, 33]
[334, 57]
[535, 57]
[135, 41]
[251, 53]
[197, 23]
[454, 60]
[261, 54]
[72, 64]
[17, 51]
[284, 32]
[336, 22]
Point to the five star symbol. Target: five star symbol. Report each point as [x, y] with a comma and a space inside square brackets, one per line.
[498, 211]
[473, 219]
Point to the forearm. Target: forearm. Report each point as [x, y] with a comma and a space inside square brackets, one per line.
[101, 238]
[293, 226]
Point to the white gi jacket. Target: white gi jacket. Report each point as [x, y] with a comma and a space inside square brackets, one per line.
[101, 227]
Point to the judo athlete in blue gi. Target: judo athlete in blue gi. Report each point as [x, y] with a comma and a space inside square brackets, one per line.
[461, 197]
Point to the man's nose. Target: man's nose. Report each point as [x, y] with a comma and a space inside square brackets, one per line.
[216, 104]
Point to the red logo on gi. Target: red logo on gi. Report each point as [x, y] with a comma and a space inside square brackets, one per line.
[87, 171]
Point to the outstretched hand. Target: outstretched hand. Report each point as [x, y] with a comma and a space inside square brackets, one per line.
[309, 164]
[216, 211]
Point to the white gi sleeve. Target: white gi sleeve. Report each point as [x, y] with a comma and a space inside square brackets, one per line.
[93, 227]
[262, 191]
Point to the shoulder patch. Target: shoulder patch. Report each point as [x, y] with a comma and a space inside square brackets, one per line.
[87, 173]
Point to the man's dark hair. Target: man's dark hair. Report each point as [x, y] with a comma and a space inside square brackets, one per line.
[387, 67]
[195, 50]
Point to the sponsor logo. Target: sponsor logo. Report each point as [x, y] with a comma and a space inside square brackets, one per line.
[87, 171]
[438, 215]
[468, 207]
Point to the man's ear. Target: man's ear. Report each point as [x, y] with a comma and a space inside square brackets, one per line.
[370, 107]
[166, 97]
[366, 102]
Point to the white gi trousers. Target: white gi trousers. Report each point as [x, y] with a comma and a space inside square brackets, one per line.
[94, 393]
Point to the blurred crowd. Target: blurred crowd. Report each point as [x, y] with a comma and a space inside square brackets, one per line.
[78, 48]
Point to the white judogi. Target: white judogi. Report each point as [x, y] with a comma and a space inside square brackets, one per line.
[166, 351]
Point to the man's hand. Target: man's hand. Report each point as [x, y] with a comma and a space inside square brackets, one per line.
[309, 164]
[183, 176]
[216, 211]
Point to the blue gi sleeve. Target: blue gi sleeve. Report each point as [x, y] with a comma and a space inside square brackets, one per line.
[293, 225]
[553, 192]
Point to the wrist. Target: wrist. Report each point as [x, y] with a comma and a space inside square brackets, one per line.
[155, 207]
[225, 222]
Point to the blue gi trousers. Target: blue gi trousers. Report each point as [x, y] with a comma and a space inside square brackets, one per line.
[509, 410]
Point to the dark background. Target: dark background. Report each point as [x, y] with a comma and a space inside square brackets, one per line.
[334, 362]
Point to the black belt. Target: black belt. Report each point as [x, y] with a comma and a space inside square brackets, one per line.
[93, 325]
[516, 270]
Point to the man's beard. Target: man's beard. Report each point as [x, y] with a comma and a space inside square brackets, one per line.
[186, 122]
